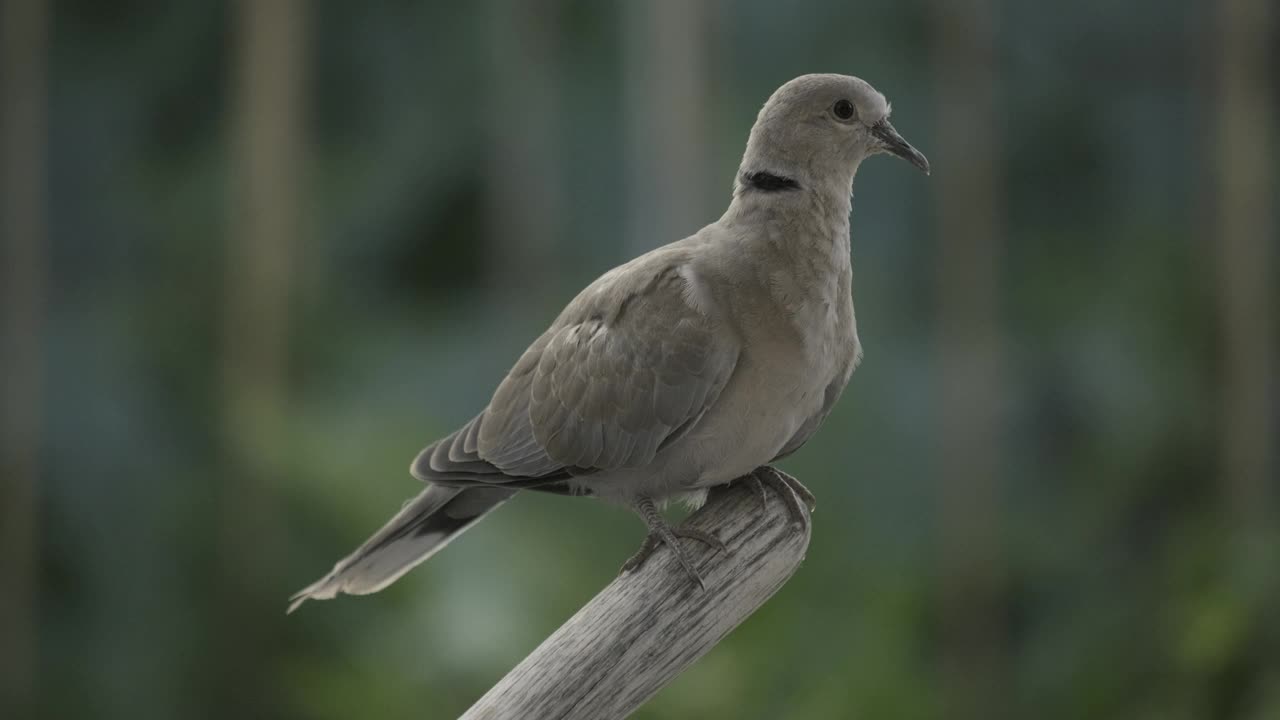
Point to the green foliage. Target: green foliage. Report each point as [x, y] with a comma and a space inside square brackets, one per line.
[1126, 589]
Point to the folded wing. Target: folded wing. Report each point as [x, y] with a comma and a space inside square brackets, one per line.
[629, 366]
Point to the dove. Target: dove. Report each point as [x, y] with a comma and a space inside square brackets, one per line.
[691, 366]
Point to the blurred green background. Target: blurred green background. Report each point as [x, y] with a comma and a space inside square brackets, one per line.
[258, 254]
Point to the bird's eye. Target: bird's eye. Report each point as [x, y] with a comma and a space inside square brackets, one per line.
[843, 109]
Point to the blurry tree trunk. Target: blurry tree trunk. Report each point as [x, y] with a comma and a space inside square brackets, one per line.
[665, 45]
[23, 49]
[525, 188]
[1244, 198]
[969, 244]
[267, 147]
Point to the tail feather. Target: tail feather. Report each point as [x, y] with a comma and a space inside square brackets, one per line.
[422, 527]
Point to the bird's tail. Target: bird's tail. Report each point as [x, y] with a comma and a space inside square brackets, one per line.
[424, 525]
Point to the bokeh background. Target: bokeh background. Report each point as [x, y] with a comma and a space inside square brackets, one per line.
[258, 253]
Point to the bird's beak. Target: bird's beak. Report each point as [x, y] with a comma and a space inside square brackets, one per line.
[893, 143]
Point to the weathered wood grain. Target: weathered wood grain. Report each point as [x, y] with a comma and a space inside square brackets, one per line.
[645, 628]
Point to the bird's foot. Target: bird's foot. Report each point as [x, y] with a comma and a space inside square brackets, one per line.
[661, 533]
[795, 496]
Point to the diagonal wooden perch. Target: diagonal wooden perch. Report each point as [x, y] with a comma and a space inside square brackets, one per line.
[645, 628]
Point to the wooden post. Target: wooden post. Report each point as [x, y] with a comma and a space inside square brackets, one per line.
[645, 628]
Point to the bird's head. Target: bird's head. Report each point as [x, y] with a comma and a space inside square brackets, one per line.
[818, 128]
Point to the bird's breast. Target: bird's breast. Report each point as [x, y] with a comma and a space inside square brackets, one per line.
[797, 333]
[777, 385]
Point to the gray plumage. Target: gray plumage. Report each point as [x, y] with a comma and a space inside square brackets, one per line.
[686, 368]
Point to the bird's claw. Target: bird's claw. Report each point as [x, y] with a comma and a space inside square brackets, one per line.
[660, 533]
[633, 563]
[794, 495]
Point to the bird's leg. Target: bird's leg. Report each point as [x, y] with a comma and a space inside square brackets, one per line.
[660, 532]
[793, 493]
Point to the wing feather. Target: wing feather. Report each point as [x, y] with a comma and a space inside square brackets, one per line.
[626, 368]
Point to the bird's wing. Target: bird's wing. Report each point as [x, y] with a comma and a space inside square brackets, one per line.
[629, 366]
[456, 460]
[611, 389]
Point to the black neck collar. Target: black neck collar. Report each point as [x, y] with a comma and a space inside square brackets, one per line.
[765, 181]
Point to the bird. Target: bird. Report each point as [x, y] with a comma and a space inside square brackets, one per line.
[699, 363]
